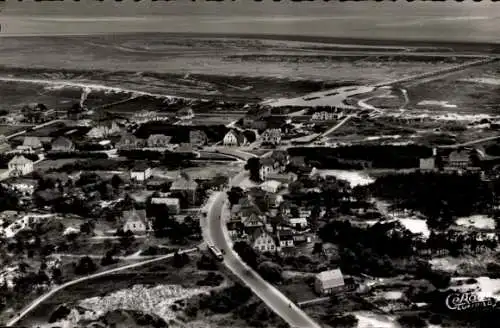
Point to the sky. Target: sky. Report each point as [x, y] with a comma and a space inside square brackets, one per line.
[450, 20]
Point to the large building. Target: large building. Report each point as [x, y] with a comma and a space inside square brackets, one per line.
[185, 184]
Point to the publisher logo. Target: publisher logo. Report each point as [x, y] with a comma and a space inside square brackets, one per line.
[467, 301]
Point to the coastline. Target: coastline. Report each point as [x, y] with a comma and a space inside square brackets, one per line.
[466, 45]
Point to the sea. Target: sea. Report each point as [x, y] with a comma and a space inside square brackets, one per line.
[465, 21]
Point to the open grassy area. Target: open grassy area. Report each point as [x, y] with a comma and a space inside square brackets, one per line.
[459, 89]
[10, 129]
[154, 274]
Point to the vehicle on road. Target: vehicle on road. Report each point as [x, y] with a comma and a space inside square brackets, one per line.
[216, 252]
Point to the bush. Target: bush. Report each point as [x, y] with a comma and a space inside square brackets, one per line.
[212, 280]
[75, 154]
[60, 313]
[412, 321]
[337, 320]
[206, 263]
[435, 319]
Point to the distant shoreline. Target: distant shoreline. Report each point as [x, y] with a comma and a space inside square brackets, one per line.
[462, 45]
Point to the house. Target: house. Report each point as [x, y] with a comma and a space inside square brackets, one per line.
[328, 282]
[20, 165]
[298, 223]
[173, 204]
[136, 221]
[271, 136]
[427, 164]
[263, 241]
[140, 173]
[128, 141]
[185, 184]
[267, 166]
[104, 130]
[270, 186]
[158, 141]
[32, 143]
[285, 238]
[252, 221]
[197, 138]
[63, 144]
[4, 144]
[234, 138]
[24, 186]
[459, 159]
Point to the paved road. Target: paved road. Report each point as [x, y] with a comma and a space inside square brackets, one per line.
[46, 296]
[469, 143]
[36, 127]
[215, 232]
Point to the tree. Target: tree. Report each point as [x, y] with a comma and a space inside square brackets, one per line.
[108, 259]
[116, 181]
[253, 167]
[180, 259]
[234, 195]
[85, 266]
[270, 271]
[127, 239]
[247, 253]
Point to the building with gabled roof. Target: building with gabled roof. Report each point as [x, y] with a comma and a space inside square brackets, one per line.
[136, 221]
[234, 138]
[263, 241]
[20, 165]
[184, 183]
[327, 282]
[128, 141]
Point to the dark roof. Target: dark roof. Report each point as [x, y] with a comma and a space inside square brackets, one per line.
[62, 142]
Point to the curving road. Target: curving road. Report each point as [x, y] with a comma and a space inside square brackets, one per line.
[46, 296]
[215, 232]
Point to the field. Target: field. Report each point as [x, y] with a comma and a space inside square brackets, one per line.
[154, 274]
[470, 91]
[10, 129]
[229, 69]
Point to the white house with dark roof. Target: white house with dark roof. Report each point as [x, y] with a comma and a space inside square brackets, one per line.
[140, 173]
[234, 138]
[20, 165]
[328, 282]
